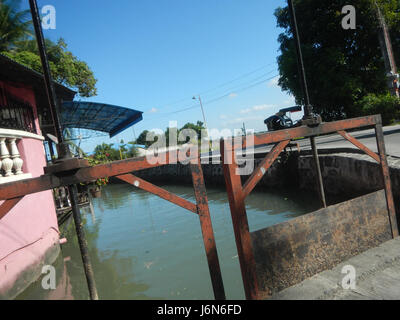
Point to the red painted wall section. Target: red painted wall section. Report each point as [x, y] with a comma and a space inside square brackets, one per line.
[24, 93]
[30, 228]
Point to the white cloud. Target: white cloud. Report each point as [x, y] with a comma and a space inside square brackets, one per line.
[247, 110]
[223, 116]
[153, 110]
[232, 95]
[263, 107]
[273, 83]
[257, 108]
[241, 120]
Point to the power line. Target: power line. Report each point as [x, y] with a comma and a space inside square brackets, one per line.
[238, 87]
[229, 91]
[238, 78]
[221, 85]
[243, 89]
[218, 98]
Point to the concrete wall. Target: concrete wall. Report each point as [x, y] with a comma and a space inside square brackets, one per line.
[345, 175]
[282, 173]
[348, 173]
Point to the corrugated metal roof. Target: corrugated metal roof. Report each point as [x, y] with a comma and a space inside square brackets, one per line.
[98, 116]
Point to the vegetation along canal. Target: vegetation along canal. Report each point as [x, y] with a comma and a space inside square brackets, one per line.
[143, 247]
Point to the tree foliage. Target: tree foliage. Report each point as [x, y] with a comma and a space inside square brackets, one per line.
[142, 139]
[14, 24]
[17, 42]
[106, 152]
[342, 66]
[174, 134]
[65, 68]
[385, 104]
[198, 127]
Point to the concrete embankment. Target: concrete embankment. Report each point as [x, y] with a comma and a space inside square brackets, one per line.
[346, 173]
[349, 174]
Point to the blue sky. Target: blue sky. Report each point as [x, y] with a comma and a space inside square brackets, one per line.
[155, 55]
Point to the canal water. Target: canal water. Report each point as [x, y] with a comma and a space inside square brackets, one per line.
[143, 247]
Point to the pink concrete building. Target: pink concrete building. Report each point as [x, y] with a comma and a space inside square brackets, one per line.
[29, 234]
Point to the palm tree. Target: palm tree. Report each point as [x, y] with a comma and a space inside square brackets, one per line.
[15, 25]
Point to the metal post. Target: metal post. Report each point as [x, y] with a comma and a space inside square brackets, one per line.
[240, 224]
[73, 191]
[205, 122]
[320, 183]
[207, 229]
[300, 63]
[64, 152]
[386, 180]
[307, 104]
[63, 148]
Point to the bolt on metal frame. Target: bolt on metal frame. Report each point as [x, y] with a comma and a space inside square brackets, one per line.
[13, 192]
[238, 193]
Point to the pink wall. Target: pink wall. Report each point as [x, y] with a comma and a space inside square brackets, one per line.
[30, 228]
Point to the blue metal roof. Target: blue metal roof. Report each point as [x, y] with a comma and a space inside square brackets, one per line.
[98, 116]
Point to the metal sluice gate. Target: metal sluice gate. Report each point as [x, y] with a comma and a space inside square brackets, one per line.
[270, 259]
[285, 254]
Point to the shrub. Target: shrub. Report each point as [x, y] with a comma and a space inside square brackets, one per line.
[386, 105]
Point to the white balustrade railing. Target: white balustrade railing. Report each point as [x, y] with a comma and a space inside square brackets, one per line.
[10, 159]
[11, 164]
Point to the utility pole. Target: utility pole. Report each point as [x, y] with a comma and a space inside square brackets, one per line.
[204, 119]
[387, 53]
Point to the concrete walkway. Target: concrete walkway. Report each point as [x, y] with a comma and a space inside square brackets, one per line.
[377, 278]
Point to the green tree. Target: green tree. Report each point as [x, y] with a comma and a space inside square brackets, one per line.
[385, 104]
[132, 151]
[198, 127]
[65, 67]
[342, 66]
[15, 25]
[142, 139]
[174, 132]
[107, 152]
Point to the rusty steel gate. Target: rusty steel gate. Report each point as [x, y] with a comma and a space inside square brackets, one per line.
[282, 255]
[271, 259]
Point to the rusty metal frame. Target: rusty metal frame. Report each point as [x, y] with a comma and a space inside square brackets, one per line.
[13, 192]
[238, 193]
